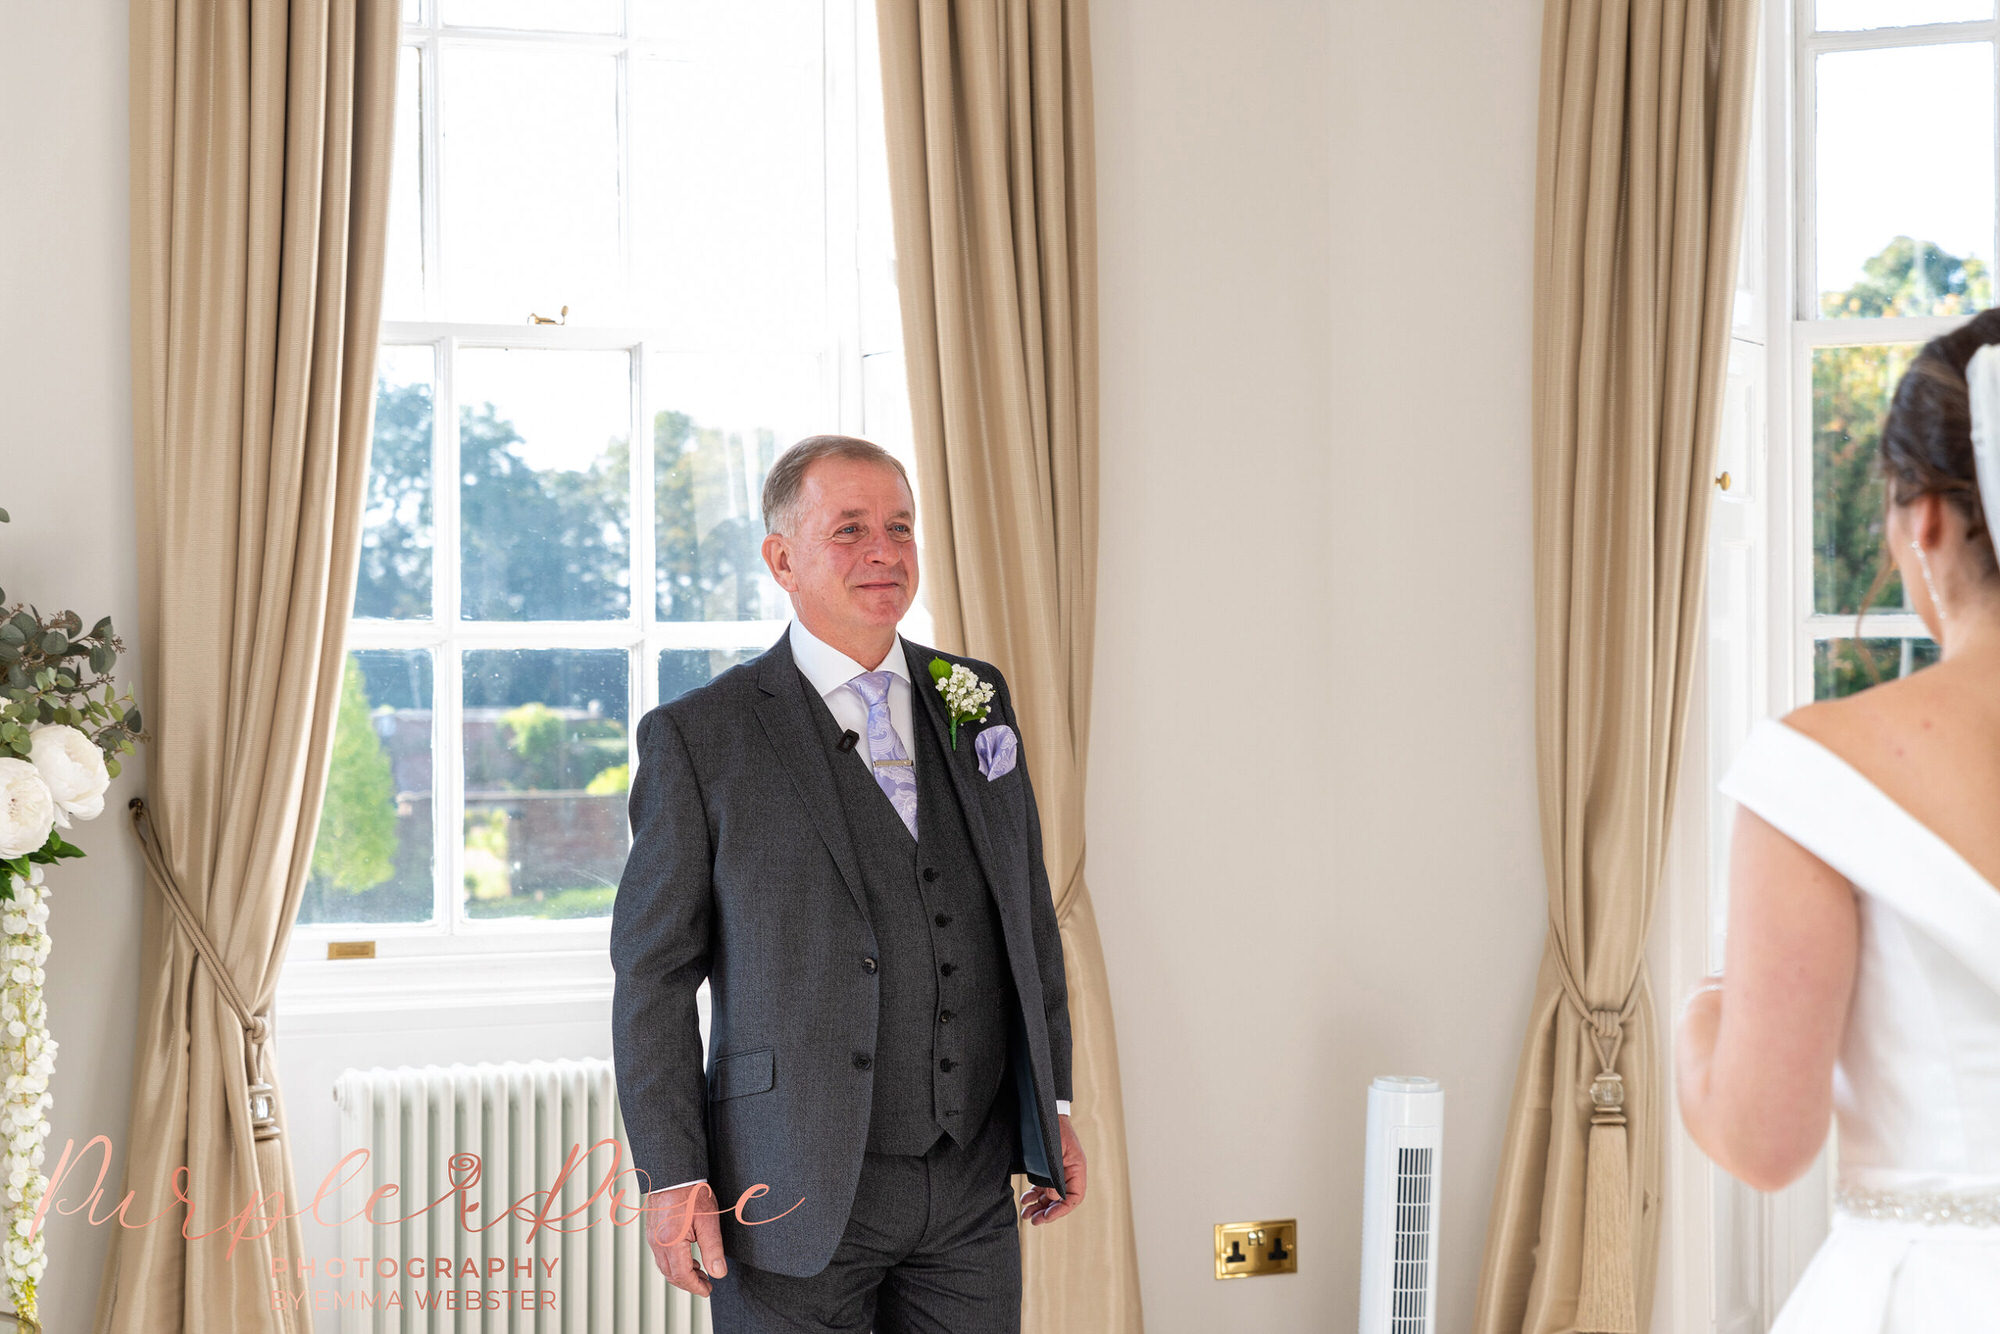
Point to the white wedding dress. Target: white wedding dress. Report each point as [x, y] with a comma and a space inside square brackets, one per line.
[1915, 1241]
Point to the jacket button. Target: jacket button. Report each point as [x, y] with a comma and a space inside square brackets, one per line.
[944, 1016]
[861, 1061]
[868, 965]
[946, 1064]
[930, 873]
[942, 919]
[945, 968]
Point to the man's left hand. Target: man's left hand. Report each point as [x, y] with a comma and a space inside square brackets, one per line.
[1044, 1204]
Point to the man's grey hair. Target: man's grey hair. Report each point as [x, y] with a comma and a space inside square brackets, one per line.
[787, 476]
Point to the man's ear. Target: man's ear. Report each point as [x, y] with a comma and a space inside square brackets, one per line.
[778, 559]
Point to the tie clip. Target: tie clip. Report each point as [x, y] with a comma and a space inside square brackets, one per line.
[892, 761]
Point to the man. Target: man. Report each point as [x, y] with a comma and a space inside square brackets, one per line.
[889, 1034]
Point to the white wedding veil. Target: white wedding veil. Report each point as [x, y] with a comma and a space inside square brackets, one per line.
[1982, 381]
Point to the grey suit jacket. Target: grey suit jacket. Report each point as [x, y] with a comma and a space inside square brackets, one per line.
[742, 872]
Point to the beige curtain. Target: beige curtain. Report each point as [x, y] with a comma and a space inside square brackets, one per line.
[260, 182]
[1644, 133]
[987, 104]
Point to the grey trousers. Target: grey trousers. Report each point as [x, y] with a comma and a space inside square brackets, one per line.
[932, 1247]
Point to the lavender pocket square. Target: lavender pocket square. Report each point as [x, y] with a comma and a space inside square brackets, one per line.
[996, 747]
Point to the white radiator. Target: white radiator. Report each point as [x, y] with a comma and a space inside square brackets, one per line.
[522, 1119]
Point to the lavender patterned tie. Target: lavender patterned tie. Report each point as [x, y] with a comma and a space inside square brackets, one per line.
[885, 749]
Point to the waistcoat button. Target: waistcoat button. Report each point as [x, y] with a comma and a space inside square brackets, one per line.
[868, 965]
[930, 873]
[861, 1061]
[946, 1064]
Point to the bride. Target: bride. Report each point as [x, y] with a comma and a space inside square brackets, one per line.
[1863, 966]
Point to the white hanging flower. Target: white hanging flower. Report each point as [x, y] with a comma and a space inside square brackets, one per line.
[73, 767]
[28, 810]
[27, 1055]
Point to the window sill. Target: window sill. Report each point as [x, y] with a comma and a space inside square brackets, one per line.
[446, 979]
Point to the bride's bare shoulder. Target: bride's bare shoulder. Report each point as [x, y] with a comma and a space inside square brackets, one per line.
[1887, 727]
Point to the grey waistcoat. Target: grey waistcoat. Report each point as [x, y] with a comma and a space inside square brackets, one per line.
[945, 991]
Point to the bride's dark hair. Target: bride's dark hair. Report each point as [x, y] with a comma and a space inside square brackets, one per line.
[1926, 446]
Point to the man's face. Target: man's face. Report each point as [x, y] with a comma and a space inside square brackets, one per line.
[851, 566]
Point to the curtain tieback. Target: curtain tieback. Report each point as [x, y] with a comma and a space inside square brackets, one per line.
[256, 1027]
[1606, 1299]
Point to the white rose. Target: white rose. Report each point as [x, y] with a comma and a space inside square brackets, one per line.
[73, 767]
[27, 808]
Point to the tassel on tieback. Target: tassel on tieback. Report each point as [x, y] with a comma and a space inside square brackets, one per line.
[1605, 1302]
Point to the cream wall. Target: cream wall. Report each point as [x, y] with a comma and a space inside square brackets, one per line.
[1313, 837]
[66, 481]
[1313, 844]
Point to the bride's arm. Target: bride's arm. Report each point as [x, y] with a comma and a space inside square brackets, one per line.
[1754, 1060]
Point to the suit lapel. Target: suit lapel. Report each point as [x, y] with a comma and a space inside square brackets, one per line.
[962, 763]
[793, 735]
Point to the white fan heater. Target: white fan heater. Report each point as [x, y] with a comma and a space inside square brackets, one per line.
[1399, 1206]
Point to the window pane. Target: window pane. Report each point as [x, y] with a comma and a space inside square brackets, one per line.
[1841, 666]
[1905, 180]
[545, 484]
[545, 781]
[394, 578]
[403, 280]
[373, 857]
[779, 30]
[682, 669]
[547, 15]
[530, 198]
[413, 11]
[881, 316]
[1851, 391]
[1847, 15]
[729, 227]
[719, 422]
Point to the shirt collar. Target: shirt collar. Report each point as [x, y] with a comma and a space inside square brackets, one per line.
[828, 668]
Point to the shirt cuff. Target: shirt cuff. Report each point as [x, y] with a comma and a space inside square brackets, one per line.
[1062, 1106]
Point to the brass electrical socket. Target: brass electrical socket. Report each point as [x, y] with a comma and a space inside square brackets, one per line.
[1267, 1247]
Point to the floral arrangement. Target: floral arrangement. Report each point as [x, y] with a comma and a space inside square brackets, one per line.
[58, 745]
[966, 697]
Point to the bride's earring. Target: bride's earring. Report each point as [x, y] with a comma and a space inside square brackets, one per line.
[1924, 561]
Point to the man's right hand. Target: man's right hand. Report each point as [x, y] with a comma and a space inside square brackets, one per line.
[667, 1232]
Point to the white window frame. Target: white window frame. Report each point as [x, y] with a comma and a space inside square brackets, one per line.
[1731, 1255]
[450, 961]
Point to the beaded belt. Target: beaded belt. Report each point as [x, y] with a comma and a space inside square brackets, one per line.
[1977, 1208]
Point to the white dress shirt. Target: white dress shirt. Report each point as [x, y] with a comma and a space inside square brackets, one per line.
[829, 670]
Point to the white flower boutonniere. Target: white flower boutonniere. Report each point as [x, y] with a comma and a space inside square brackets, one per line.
[966, 697]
